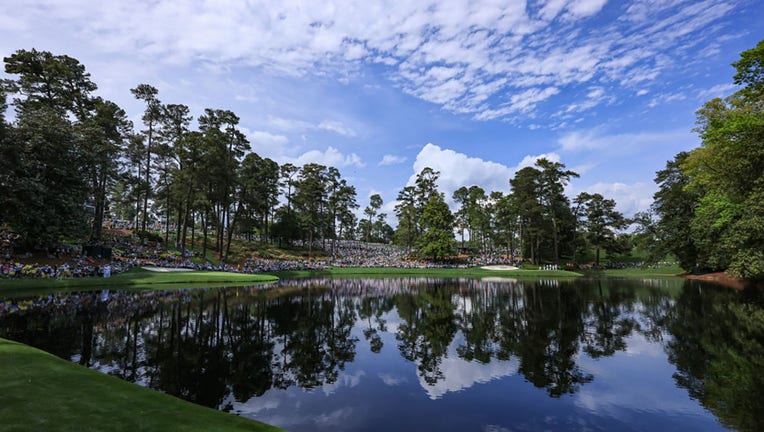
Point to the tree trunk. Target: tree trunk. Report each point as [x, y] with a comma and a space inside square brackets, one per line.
[167, 213]
[556, 253]
[148, 176]
[205, 217]
[193, 229]
[179, 227]
[230, 231]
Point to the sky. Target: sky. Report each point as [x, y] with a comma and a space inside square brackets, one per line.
[475, 89]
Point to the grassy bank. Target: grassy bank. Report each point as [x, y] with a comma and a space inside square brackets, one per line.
[475, 272]
[135, 278]
[43, 392]
[640, 272]
[143, 279]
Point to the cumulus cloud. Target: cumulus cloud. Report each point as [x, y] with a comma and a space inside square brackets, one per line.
[266, 144]
[278, 148]
[329, 157]
[481, 57]
[458, 169]
[460, 374]
[529, 161]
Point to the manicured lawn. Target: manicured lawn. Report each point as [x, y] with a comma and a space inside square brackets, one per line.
[475, 272]
[136, 278]
[41, 392]
[641, 272]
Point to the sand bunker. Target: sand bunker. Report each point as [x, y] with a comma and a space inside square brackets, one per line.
[166, 269]
[500, 267]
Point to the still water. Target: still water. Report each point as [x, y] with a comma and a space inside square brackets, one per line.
[428, 354]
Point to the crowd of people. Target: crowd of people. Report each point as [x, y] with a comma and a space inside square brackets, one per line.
[126, 251]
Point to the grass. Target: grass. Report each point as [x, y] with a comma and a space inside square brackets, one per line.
[431, 272]
[136, 278]
[42, 392]
[673, 270]
[143, 279]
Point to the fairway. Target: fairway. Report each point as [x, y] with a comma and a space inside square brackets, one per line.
[136, 278]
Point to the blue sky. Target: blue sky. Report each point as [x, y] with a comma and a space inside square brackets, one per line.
[474, 89]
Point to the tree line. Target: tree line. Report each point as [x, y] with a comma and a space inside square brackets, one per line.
[71, 160]
[535, 217]
[709, 209]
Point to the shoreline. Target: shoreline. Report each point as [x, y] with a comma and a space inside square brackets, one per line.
[720, 278]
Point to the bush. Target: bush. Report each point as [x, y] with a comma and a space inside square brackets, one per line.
[149, 236]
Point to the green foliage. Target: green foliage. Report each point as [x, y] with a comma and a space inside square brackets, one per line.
[717, 348]
[750, 70]
[437, 241]
[710, 199]
[601, 222]
[149, 236]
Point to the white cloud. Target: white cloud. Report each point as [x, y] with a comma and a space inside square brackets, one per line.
[266, 144]
[597, 140]
[720, 91]
[345, 380]
[289, 125]
[519, 103]
[487, 58]
[389, 159]
[458, 169]
[629, 198]
[298, 125]
[529, 161]
[574, 8]
[330, 157]
[665, 98]
[336, 418]
[337, 127]
[460, 374]
[392, 380]
[585, 8]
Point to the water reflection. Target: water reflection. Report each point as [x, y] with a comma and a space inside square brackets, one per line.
[237, 348]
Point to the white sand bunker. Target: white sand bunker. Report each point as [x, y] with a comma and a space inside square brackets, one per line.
[500, 267]
[166, 269]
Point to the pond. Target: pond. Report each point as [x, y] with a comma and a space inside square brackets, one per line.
[416, 354]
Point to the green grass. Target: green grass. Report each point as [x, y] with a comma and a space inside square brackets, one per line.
[640, 272]
[42, 392]
[135, 278]
[474, 272]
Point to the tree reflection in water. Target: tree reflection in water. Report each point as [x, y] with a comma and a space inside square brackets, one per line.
[218, 346]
